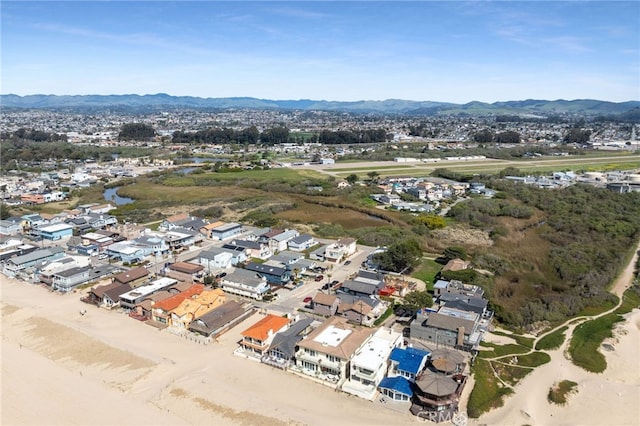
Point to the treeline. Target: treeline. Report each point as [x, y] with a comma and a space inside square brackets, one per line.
[32, 135]
[136, 131]
[353, 136]
[277, 135]
[26, 151]
[588, 231]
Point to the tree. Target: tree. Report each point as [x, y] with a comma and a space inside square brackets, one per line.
[373, 176]
[417, 300]
[483, 136]
[576, 135]
[4, 211]
[138, 131]
[352, 179]
[400, 257]
[455, 253]
[507, 137]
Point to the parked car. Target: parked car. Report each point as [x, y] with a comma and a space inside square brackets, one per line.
[326, 286]
[348, 262]
[308, 299]
[319, 277]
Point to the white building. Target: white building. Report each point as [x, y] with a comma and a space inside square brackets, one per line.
[370, 363]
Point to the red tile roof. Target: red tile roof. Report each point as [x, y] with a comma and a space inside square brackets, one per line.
[260, 330]
[172, 302]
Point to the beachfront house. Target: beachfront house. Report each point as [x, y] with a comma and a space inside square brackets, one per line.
[283, 346]
[257, 338]
[448, 327]
[191, 308]
[369, 365]
[325, 352]
[245, 283]
[221, 319]
[130, 299]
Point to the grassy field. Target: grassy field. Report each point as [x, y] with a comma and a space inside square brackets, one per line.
[487, 393]
[558, 394]
[501, 350]
[552, 340]
[427, 272]
[588, 337]
[521, 340]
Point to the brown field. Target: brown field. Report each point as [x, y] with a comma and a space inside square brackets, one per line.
[308, 213]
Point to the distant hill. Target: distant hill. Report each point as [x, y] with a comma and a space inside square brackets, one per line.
[389, 106]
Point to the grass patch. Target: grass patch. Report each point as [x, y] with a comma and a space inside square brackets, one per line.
[427, 272]
[588, 337]
[534, 359]
[558, 393]
[502, 350]
[521, 340]
[596, 310]
[384, 316]
[487, 393]
[552, 340]
[511, 374]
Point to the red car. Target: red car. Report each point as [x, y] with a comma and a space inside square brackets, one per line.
[307, 299]
[319, 278]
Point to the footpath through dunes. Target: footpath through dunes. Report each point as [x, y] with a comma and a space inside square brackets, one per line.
[60, 367]
[610, 398]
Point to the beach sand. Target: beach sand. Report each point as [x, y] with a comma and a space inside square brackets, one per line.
[61, 368]
[611, 398]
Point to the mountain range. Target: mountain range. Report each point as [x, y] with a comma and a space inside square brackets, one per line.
[158, 101]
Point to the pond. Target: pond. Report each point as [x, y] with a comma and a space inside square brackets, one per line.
[111, 194]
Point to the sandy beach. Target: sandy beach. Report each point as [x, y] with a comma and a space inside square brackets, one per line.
[59, 367]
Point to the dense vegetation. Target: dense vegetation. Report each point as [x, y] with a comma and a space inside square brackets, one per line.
[558, 394]
[136, 131]
[555, 251]
[25, 148]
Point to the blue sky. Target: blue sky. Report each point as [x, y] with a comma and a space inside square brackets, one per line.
[345, 51]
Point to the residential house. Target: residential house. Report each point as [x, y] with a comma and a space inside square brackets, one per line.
[142, 310]
[55, 232]
[155, 245]
[366, 283]
[448, 327]
[436, 396]
[245, 283]
[111, 297]
[26, 262]
[279, 242]
[185, 271]
[369, 365]
[68, 279]
[8, 227]
[130, 299]
[134, 277]
[253, 248]
[257, 338]
[301, 242]
[408, 362]
[96, 295]
[318, 254]
[358, 312]
[128, 251]
[274, 275]
[226, 231]
[282, 350]
[397, 389]
[326, 352]
[195, 307]
[161, 309]
[221, 319]
[340, 250]
[325, 304]
[215, 259]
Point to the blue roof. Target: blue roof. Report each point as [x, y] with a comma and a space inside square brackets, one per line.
[397, 384]
[409, 359]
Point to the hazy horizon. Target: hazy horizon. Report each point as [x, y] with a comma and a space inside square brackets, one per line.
[455, 52]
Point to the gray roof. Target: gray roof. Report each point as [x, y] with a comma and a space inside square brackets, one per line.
[217, 318]
[447, 322]
[437, 384]
[287, 340]
[360, 287]
[349, 299]
[247, 244]
[265, 269]
[243, 276]
[73, 271]
[34, 256]
[301, 239]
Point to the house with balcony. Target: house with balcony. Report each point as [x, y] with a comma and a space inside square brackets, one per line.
[161, 310]
[301, 242]
[370, 363]
[448, 327]
[215, 259]
[257, 338]
[186, 271]
[274, 275]
[326, 352]
[279, 242]
[325, 304]
[221, 319]
[191, 308]
[69, 279]
[55, 232]
[9, 227]
[341, 249]
[226, 231]
[98, 295]
[134, 277]
[282, 350]
[408, 362]
[253, 248]
[245, 283]
[436, 396]
[24, 264]
[130, 299]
